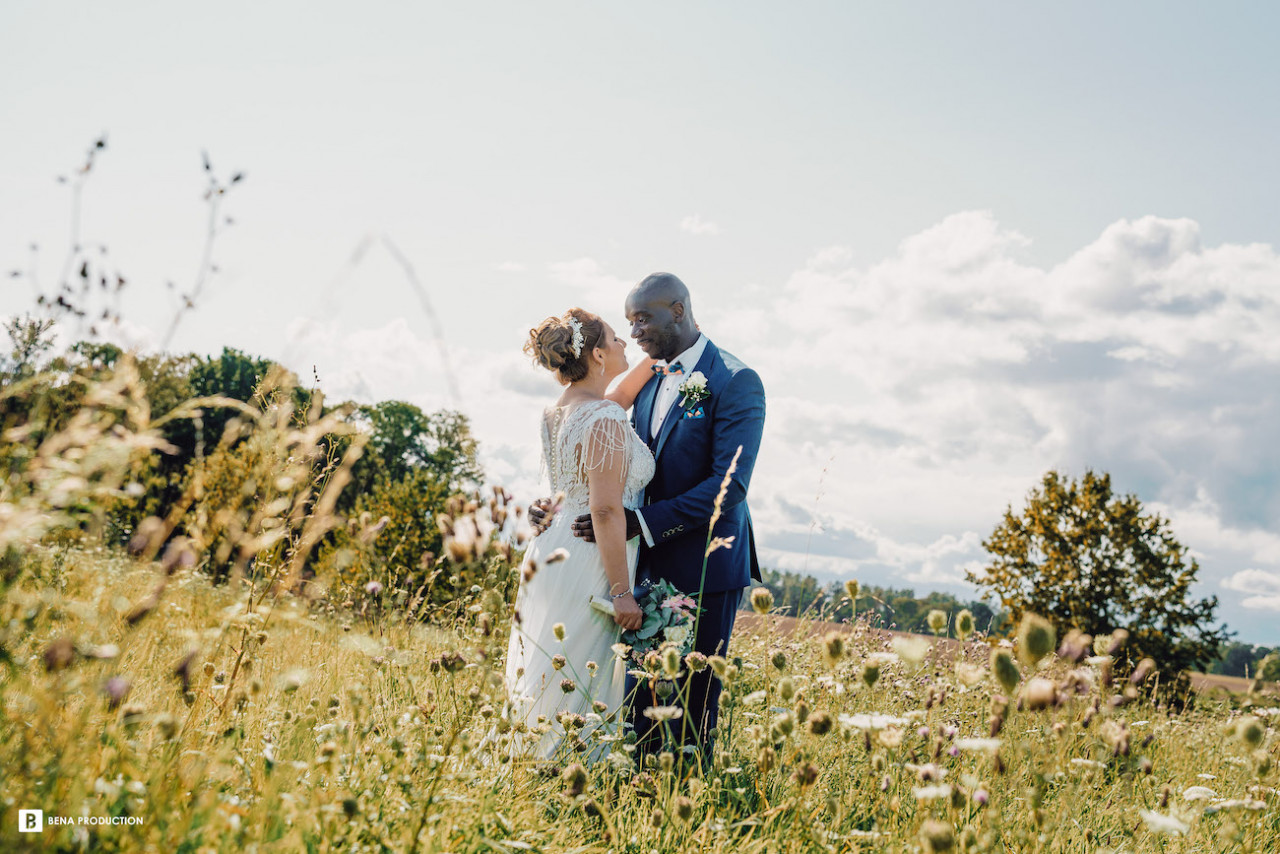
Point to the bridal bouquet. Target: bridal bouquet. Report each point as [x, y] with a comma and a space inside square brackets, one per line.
[668, 620]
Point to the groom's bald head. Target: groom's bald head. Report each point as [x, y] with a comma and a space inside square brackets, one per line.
[661, 316]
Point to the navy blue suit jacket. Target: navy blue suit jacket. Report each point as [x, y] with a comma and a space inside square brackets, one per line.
[692, 452]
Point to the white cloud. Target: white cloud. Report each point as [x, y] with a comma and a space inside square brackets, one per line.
[695, 224]
[509, 267]
[948, 377]
[1262, 589]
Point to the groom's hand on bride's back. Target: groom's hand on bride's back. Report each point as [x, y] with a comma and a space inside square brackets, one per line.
[582, 526]
[541, 515]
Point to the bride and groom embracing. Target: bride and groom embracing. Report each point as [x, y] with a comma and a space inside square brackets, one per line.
[638, 498]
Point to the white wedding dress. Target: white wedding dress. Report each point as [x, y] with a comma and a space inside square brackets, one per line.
[575, 441]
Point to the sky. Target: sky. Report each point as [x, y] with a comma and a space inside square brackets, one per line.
[963, 244]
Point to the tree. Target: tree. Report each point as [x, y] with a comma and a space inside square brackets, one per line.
[1094, 561]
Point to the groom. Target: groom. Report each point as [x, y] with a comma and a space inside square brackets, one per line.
[694, 429]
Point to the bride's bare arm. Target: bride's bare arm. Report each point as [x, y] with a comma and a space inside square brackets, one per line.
[625, 391]
[608, 518]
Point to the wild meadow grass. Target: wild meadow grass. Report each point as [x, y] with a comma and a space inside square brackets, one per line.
[228, 721]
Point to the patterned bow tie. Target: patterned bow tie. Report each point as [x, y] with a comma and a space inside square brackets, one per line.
[674, 368]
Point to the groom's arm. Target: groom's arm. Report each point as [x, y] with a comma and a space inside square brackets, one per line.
[739, 422]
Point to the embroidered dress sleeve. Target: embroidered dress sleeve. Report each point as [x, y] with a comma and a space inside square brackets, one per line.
[604, 443]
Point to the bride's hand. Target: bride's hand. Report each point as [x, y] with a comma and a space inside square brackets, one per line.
[627, 613]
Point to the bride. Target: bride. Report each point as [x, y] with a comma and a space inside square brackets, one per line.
[560, 661]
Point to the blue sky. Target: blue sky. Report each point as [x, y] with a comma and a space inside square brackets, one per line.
[963, 243]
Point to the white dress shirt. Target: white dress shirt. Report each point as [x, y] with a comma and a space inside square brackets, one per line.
[665, 400]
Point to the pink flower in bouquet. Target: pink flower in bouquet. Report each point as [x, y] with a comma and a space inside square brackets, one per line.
[680, 604]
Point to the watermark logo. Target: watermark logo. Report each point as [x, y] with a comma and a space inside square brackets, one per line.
[30, 821]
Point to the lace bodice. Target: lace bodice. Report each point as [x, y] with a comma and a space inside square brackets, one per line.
[590, 437]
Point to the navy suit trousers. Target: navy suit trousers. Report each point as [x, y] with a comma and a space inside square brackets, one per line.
[702, 690]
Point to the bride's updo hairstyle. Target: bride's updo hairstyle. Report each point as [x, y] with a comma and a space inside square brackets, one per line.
[550, 344]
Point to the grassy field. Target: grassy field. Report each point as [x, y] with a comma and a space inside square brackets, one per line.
[224, 718]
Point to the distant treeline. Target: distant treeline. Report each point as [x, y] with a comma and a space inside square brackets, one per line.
[796, 594]
[222, 467]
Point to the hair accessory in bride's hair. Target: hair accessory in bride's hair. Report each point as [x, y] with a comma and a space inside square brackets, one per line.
[578, 343]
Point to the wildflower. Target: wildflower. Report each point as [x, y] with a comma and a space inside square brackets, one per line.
[851, 589]
[1039, 694]
[1005, 670]
[1163, 824]
[592, 667]
[373, 588]
[660, 714]
[621, 651]
[568, 686]
[558, 661]
[558, 631]
[1036, 639]
[1199, 793]
[1250, 730]
[911, 650]
[969, 674]
[116, 689]
[978, 744]
[937, 836]
[932, 793]
[696, 661]
[575, 779]
[937, 621]
[964, 624]
[890, 737]
[761, 600]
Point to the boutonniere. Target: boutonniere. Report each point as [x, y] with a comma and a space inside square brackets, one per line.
[693, 389]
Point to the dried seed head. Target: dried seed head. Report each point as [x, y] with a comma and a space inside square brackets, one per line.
[761, 600]
[964, 624]
[778, 659]
[870, 674]
[558, 661]
[558, 631]
[574, 778]
[683, 808]
[568, 686]
[806, 774]
[1036, 639]
[1075, 646]
[1006, 672]
[59, 654]
[819, 723]
[1140, 673]
[696, 662]
[670, 660]
[851, 589]
[1117, 641]
[786, 688]
[833, 648]
[937, 621]
[1250, 730]
[937, 836]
